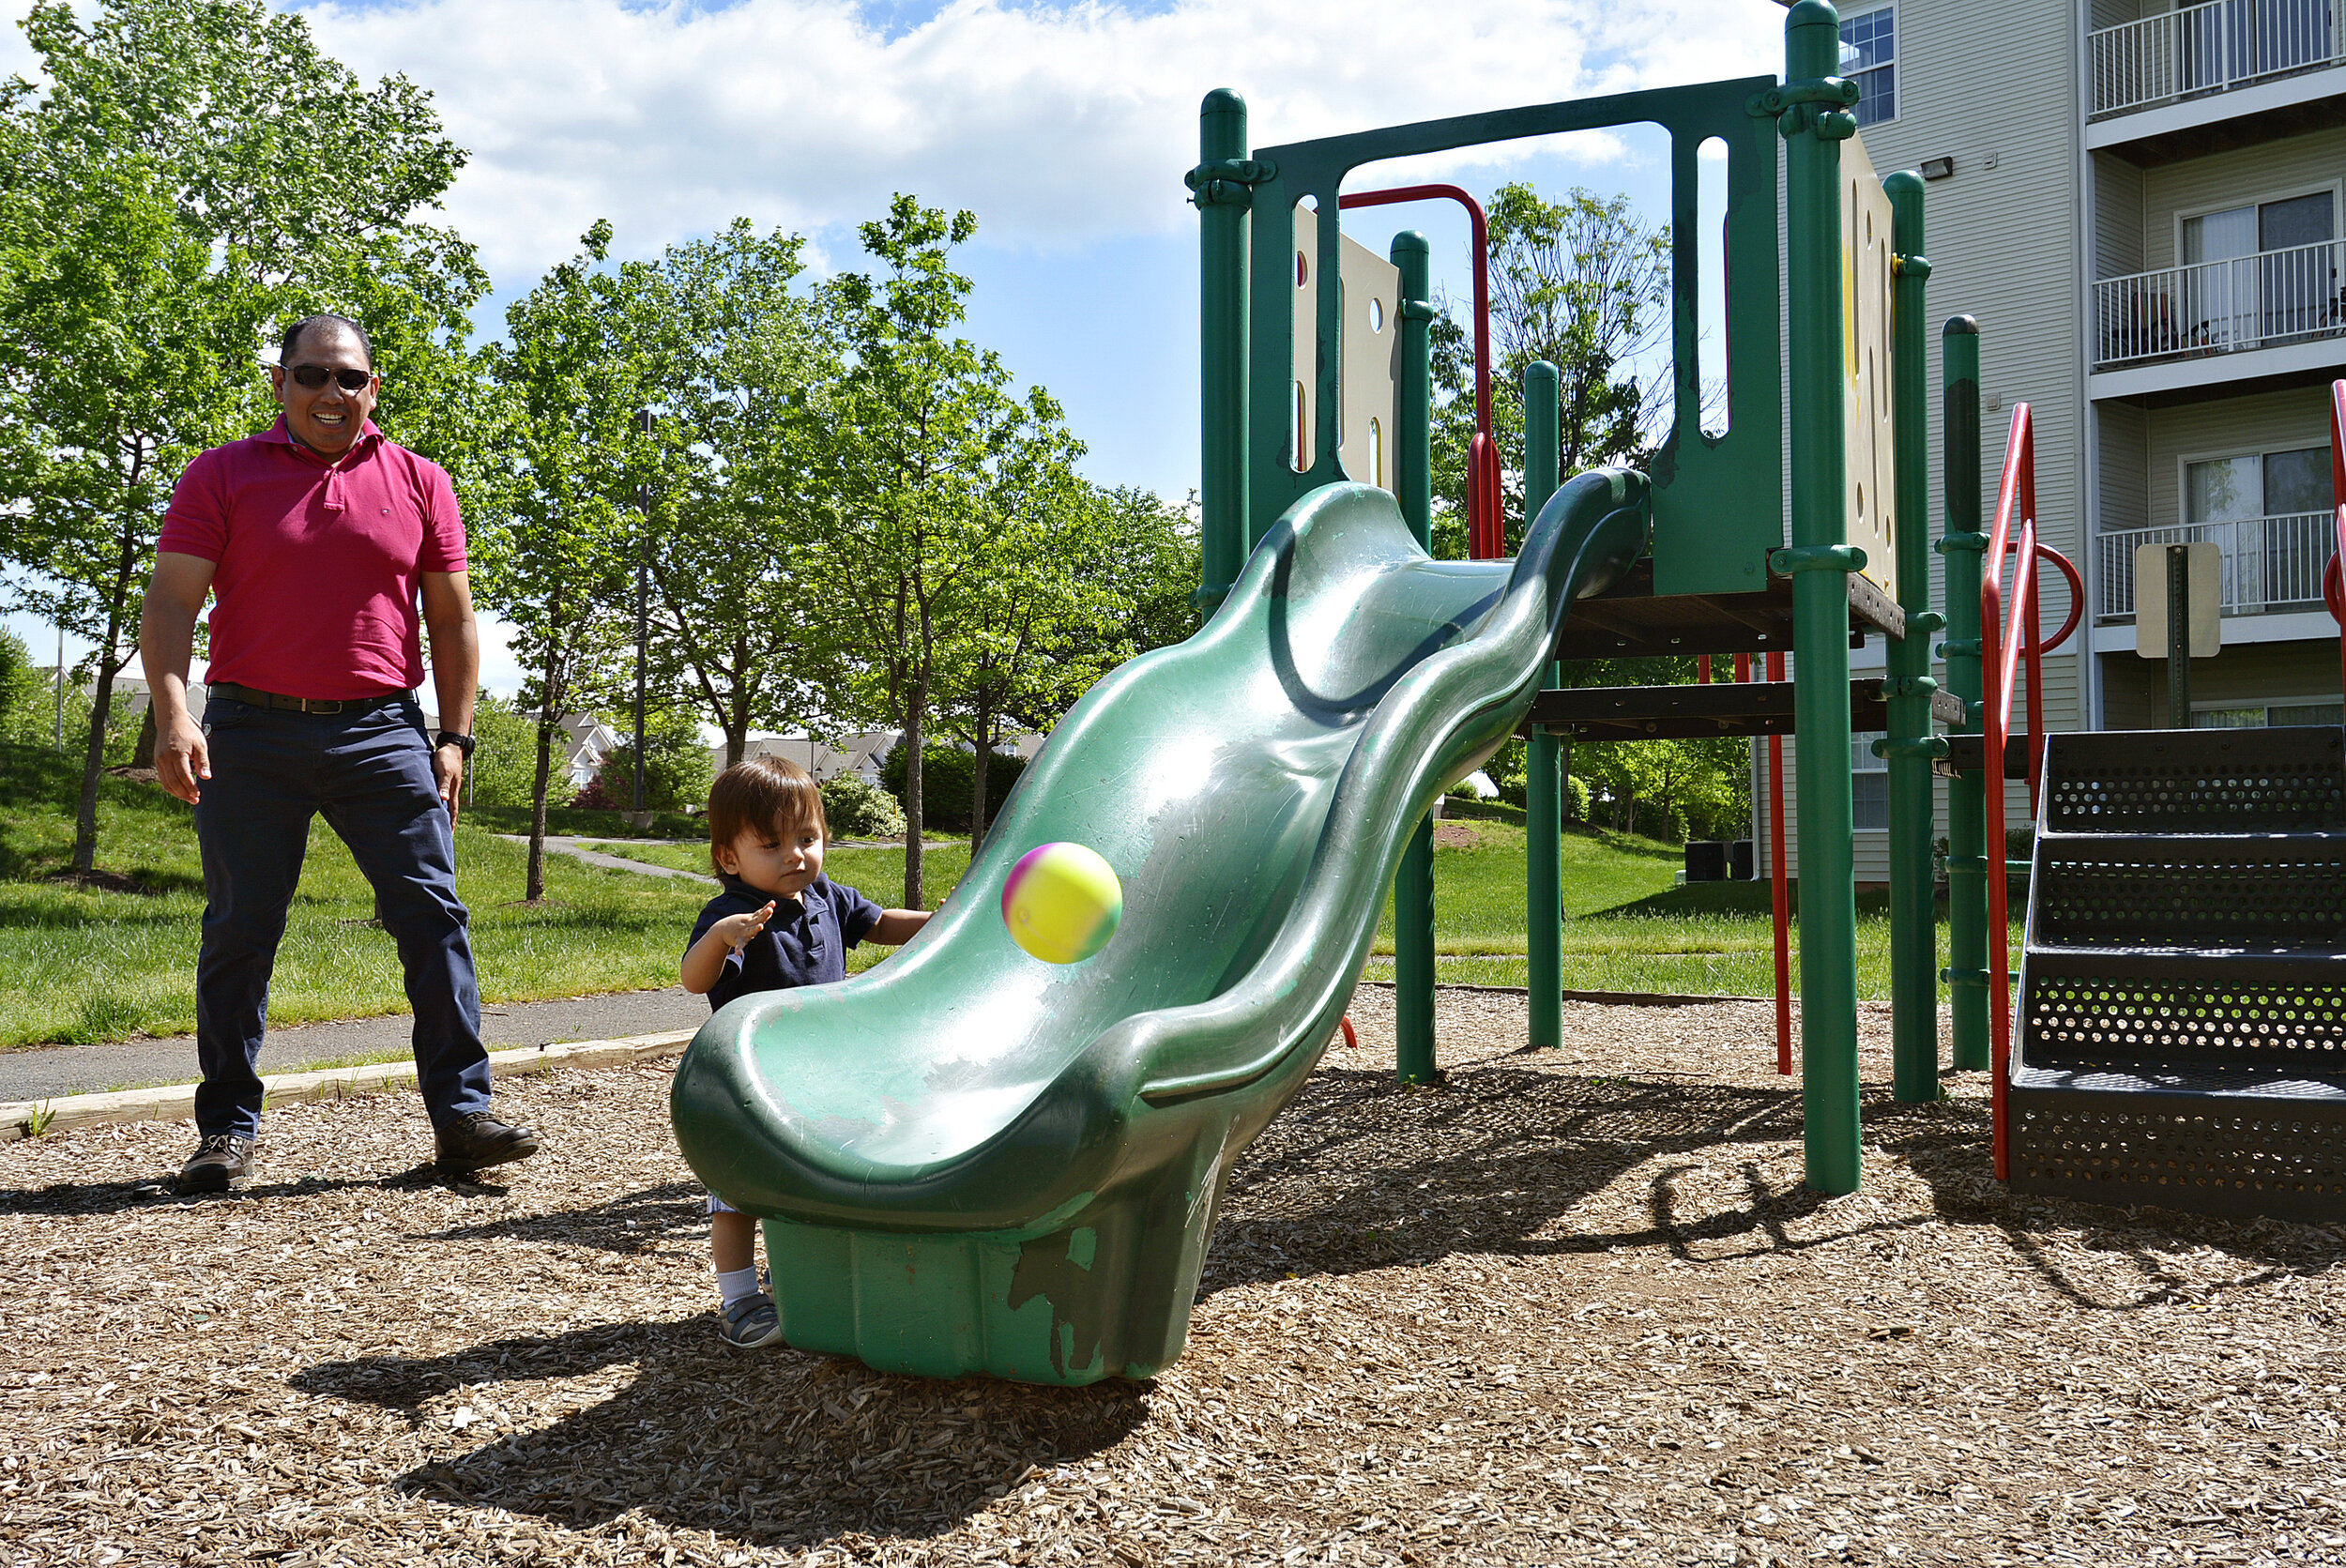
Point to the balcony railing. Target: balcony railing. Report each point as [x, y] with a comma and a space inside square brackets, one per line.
[2215, 307]
[2210, 49]
[2270, 563]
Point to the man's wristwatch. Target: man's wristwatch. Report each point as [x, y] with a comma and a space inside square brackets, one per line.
[463, 743]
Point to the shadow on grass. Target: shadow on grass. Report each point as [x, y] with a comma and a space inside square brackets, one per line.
[771, 1448]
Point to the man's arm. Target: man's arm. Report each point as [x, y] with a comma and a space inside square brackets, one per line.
[455, 669]
[174, 596]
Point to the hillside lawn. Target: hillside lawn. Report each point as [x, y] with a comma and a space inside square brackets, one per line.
[114, 960]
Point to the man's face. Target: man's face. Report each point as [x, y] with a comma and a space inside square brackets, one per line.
[328, 419]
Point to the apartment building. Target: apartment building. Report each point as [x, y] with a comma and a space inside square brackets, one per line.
[2142, 205]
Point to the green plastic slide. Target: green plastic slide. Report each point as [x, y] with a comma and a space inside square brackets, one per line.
[972, 1161]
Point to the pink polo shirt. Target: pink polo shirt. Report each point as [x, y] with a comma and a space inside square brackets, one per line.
[318, 565]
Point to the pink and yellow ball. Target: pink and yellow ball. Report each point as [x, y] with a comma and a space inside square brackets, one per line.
[1062, 903]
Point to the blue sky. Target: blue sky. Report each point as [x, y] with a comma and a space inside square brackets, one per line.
[1066, 129]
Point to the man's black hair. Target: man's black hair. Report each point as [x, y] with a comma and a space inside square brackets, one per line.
[292, 336]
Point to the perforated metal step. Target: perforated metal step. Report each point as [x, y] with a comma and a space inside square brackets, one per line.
[2196, 780]
[2145, 890]
[2182, 1029]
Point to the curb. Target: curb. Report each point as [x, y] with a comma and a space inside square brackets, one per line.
[1611, 999]
[176, 1102]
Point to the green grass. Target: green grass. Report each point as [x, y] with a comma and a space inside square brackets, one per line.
[89, 964]
[567, 823]
[878, 875]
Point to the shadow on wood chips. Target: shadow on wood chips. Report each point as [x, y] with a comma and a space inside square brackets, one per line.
[793, 1452]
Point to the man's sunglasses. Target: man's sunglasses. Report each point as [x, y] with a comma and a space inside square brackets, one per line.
[315, 376]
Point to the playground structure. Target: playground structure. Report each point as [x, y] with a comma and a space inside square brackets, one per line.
[970, 1161]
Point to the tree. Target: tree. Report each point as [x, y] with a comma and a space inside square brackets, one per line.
[743, 373]
[1583, 284]
[923, 432]
[556, 551]
[1082, 580]
[157, 222]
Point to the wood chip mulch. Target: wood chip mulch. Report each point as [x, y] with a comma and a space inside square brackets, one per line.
[1575, 1307]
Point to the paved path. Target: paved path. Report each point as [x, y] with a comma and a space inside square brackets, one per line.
[44, 1072]
[585, 849]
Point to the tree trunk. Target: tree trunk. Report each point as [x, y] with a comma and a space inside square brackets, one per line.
[93, 763]
[535, 888]
[144, 756]
[917, 700]
[983, 729]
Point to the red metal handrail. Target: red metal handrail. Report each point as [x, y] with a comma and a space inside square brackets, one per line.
[1486, 531]
[2333, 576]
[2000, 662]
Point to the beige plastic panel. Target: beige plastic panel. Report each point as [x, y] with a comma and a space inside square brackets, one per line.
[1370, 291]
[2203, 570]
[1866, 409]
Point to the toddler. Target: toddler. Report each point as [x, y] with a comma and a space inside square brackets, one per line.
[778, 923]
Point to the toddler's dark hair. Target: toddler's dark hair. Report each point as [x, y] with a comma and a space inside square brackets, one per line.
[765, 794]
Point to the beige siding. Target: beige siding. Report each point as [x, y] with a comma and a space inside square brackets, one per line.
[2245, 675]
[2117, 217]
[2291, 167]
[2004, 242]
[2125, 462]
[2268, 422]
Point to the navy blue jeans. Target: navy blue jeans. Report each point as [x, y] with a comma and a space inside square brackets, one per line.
[369, 770]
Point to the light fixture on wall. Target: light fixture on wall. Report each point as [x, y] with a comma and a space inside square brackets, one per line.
[1938, 168]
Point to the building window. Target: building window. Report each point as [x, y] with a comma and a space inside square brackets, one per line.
[1869, 57]
[1869, 781]
[2269, 716]
[2272, 513]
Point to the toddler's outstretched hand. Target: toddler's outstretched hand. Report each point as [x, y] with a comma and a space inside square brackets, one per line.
[734, 930]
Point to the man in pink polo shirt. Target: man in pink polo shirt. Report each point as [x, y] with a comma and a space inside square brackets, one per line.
[319, 540]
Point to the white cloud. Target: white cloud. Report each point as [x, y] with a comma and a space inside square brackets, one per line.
[1058, 126]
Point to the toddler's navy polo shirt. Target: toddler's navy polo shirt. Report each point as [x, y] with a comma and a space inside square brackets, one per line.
[805, 943]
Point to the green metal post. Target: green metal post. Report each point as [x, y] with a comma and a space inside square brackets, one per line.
[1965, 547]
[2178, 637]
[1544, 821]
[1913, 931]
[1414, 484]
[1818, 563]
[1222, 204]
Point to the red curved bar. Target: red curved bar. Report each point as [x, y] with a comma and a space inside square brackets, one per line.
[2077, 596]
[2016, 493]
[1483, 528]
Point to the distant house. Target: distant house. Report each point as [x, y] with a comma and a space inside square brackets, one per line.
[859, 755]
[579, 754]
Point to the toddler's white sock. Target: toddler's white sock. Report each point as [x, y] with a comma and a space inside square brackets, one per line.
[735, 1284]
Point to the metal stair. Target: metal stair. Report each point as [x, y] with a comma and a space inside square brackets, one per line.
[2182, 1036]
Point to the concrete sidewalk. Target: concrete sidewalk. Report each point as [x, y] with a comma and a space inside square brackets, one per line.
[46, 1073]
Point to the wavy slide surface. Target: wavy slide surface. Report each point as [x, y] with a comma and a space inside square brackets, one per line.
[972, 1161]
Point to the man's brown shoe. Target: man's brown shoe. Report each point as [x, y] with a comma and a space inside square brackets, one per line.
[478, 1139]
[221, 1164]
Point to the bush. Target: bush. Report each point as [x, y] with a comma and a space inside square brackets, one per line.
[1575, 799]
[676, 767]
[947, 775]
[504, 766]
[858, 809]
